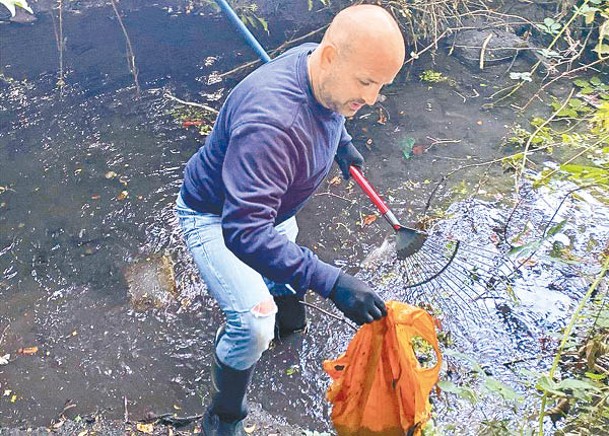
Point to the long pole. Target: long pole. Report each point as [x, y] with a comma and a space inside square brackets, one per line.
[244, 31]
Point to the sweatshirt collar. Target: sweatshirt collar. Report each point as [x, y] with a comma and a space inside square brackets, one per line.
[305, 83]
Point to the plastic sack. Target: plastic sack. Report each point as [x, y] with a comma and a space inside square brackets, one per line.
[379, 387]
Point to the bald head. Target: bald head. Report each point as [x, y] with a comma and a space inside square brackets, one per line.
[363, 28]
[362, 50]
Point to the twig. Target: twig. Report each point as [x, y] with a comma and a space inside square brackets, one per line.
[331, 194]
[126, 414]
[170, 419]
[483, 50]
[541, 126]
[342, 319]
[273, 52]
[190, 103]
[58, 31]
[4, 333]
[416, 55]
[561, 76]
[130, 53]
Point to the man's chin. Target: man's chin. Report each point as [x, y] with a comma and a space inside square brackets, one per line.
[348, 112]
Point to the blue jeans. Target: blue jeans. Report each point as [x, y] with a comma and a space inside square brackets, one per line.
[245, 297]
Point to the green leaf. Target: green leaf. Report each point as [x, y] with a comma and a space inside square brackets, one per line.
[557, 228]
[580, 82]
[577, 385]
[12, 4]
[406, 147]
[506, 392]
[546, 384]
[264, 23]
[463, 392]
[593, 376]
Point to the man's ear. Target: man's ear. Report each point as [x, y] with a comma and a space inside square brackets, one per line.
[328, 56]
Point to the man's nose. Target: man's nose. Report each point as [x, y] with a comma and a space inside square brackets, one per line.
[371, 94]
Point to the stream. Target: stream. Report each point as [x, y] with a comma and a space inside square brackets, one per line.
[89, 176]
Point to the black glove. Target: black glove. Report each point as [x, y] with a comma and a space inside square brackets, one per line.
[346, 156]
[356, 300]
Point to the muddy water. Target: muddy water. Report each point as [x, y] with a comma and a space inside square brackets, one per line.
[68, 231]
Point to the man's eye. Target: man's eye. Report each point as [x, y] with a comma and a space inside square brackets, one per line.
[363, 82]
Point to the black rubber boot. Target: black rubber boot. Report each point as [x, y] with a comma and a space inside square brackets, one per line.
[224, 417]
[291, 315]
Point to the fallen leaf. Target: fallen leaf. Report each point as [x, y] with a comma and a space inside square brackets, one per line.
[335, 181]
[83, 433]
[249, 429]
[4, 359]
[122, 196]
[369, 219]
[28, 350]
[189, 123]
[145, 428]
[110, 175]
[95, 197]
[382, 118]
[418, 150]
[7, 392]
[14, 398]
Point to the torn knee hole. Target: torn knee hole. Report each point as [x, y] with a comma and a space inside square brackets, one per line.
[265, 308]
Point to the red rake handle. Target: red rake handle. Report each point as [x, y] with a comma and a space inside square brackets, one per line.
[368, 189]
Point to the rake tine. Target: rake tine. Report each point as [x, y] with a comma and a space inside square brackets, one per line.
[458, 282]
[483, 279]
[452, 284]
[444, 305]
[439, 248]
[482, 274]
[464, 276]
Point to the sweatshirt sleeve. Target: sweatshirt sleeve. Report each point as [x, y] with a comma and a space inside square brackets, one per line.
[260, 164]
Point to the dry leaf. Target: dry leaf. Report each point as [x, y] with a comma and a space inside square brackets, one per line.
[145, 428]
[418, 150]
[28, 350]
[369, 219]
[4, 359]
[382, 118]
[249, 429]
[122, 196]
[335, 181]
[110, 175]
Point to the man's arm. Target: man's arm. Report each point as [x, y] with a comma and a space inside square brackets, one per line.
[259, 166]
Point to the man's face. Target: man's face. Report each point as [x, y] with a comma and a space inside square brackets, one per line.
[354, 79]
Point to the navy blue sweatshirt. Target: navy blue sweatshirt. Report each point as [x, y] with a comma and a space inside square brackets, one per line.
[271, 147]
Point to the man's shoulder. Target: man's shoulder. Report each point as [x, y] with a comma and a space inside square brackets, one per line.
[275, 93]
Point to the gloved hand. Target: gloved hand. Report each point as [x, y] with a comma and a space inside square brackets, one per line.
[346, 156]
[356, 300]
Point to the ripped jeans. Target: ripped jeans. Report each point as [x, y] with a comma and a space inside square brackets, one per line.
[245, 297]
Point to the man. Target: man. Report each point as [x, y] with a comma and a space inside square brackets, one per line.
[271, 147]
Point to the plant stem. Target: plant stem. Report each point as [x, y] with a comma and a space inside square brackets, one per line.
[566, 335]
[130, 53]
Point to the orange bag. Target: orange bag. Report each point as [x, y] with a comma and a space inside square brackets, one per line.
[378, 384]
